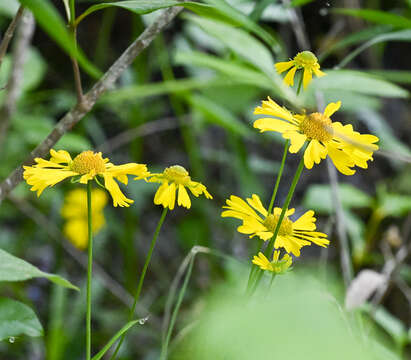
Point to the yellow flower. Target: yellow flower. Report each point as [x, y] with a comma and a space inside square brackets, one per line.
[292, 236]
[276, 266]
[346, 147]
[305, 60]
[172, 179]
[86, 166]
[74, 211]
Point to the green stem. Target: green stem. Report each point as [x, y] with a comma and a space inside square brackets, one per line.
[142, 276]
[290, 194]
[164, 348]
[89, 272]
[280, 173]
[300, 83]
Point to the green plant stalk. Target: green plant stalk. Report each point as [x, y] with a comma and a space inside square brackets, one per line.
[280, 173]
[180, 298]
[142, 276]
[89, 272]
[290, 194]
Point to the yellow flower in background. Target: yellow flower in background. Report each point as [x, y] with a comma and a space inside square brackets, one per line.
[86, 166]
[74, 211]
[292, 235]
[304, 60]
[276, 266]
[172, 179]
[346, 147]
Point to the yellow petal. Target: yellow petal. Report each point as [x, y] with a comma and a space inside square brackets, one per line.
[268, 124]
[297, 140]
[283, 66]
[255, 202]
[183, 198]
[307, 77]
[332, 108]
[270, 107]
[289, 78]
[119, 199]
[60, 156]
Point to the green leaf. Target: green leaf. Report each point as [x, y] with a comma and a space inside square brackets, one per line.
[355, 82]
[392, 204]
[14, 269]
[318, 198]
[216, 114]
[296, 3]
[51, 22]
[142, 7]
[17, 319]
[124, 329]
[403, 35]
[9, 7]
[222, 10]
[378, 17]
[396, 76]
[235, 70]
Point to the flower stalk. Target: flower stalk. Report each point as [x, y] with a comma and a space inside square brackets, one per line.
[89, 271]
[142, 276]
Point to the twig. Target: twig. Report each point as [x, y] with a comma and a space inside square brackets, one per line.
[143, 130]
[104, 84]
[23, 39]
[9, 33]
[298, 26]
[76, 72]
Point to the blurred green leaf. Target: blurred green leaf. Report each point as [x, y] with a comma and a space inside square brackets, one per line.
[318, 198]
[14, 269]
[397, 76]
[229, 14]
[17, 319]
[297, 3]
[403, 35]
[9, 7]
[51, 22]
[143, 6]
[391, 325]
[355, 82]
[219, 115]
[124, 329]
[376, 16]
[391, 204]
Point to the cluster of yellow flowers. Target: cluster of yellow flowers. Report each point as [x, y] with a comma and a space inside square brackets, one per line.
[345, 147]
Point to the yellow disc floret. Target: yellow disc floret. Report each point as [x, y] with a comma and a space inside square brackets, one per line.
[177, 174]
[317, 126]
[286, 227]
[305, 59]
[87, 162]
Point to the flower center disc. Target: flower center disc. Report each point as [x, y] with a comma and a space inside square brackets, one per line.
[286, 227]
[177, 174]
[305, 59]
[317, 126]
[88, 161]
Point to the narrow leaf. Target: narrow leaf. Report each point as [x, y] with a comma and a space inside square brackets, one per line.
[17, 319]
[14, 269]
[124, 329]
[51, 22]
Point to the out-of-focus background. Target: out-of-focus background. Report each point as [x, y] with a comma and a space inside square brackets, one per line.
[188, 99]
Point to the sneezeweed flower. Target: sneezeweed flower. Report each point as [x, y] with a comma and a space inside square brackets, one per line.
[292, 235]
[277, 266]
[86, 166]
[346, 147]
[172, 179]
[74, 211]
[305, 61]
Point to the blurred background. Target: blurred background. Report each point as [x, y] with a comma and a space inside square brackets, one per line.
[188, 99]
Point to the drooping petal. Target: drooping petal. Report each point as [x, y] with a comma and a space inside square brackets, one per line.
[307, 77]
[289, 78]
[297, 140]
[342, 161]
[283, 66]
[119, 199]
[60, 156]
[183, 198]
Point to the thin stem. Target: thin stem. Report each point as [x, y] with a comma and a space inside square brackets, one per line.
[142, 276]
[164, 348]
[280, 173]
[300, 83]
[290, 194]
[9, 33]
[89, 272]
